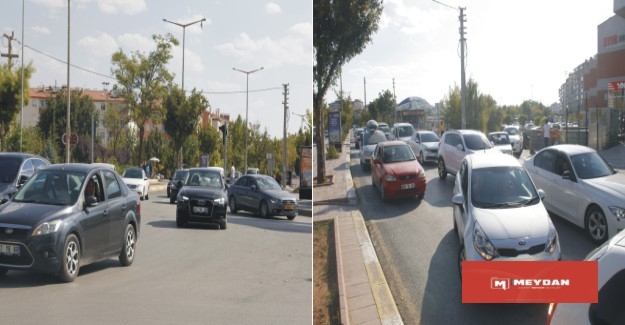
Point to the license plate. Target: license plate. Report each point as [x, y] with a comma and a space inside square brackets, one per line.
[200, 209]
[9, 250]
[407, 186]
[288, 207]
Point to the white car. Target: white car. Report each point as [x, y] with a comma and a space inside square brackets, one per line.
[369, 141]
[498, 213]
[136, 180]
[501, 141]
[455, 145]
[402, 131]
[610, 258]
[425, 145]
[516, 138]
[581, 187]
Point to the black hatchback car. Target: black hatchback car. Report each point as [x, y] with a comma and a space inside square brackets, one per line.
[51, 225]
[15, 169]
[172, 186]
[203, 198]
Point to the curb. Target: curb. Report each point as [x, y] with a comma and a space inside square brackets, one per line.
[344, 310]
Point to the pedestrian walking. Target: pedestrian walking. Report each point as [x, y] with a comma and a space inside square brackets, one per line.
[547, 132]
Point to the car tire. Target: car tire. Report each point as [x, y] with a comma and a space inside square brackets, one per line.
[461, 258]
[596, 224]
[420, 158]
[223, 225]
[179, 222]
[168, 193]
[291, 217]
[172, 200]
[232, 202]
[127, 255]
[70, 259]
[263, 209]
[442, 171]
[147, 195]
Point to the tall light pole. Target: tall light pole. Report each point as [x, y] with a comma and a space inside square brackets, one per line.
[247, 90]
[184, 29]
[184, 32]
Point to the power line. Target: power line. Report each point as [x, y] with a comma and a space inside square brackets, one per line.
[111, 77]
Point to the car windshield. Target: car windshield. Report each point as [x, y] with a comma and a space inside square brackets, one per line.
[180, 175]
[204, 178]
[405, 131]
[267, 184]
[591, 165]
[133, 173]
[512, 131]
[499, 138]
[384, 129]
[429, 137]
[51, 187]
[476, 141]
[8, 169]
[502, 187]
[398, 153]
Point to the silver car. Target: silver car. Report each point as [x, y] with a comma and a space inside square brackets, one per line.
[369, 140]
[498, 213]
[425, 145]
[516, 138]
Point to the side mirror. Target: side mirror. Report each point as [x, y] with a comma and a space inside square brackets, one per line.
[91, 201]
[22, 180]
[460, 147]
[541, 194]
[254, 187]
[568, 175]
[458, 199]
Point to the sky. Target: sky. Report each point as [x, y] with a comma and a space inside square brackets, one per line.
[244, 34]
[516, 50]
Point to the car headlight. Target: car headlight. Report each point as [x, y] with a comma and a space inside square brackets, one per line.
[390, 178]
[182, 198]
[274, 201]
[619, 213]
[552, 240]
[220, 201]
[482, 244]
[421, 175]
[48, 228]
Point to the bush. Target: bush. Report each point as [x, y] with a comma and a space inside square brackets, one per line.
[332, 152]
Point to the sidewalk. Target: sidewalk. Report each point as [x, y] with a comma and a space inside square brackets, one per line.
[365, 297]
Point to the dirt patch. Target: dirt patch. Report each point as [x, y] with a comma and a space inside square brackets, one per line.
[326, 306]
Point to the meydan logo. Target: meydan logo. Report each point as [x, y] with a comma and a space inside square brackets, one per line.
[507, 283]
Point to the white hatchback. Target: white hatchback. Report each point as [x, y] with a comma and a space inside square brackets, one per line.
[136, 180]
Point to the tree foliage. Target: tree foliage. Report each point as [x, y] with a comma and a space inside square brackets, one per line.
[11, 96]
[341, 30]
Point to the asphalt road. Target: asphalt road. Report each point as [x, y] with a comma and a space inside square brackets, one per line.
[258, 271]
[418, 251]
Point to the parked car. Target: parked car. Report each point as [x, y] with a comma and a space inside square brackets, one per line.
[172, 189]
[402, 131]
[263, 195]
[425, 145]
[516, 138]
[498, 214]
[583, 188]
[357, 133]
[396, 172]
[52, 226]
[455, 145]
[15, 169]
[501, 141]
[203, 198]
[610, 257]
[138, 181]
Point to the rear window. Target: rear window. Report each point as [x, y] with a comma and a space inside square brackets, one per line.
[476, 142]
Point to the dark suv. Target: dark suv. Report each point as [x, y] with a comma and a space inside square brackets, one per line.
[15, 169]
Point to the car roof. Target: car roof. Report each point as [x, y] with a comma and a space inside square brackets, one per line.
[75, 167]
[19, 155]
[495, 159]
[402, 124]
[498, 132]
[392, 143]
[571, 149]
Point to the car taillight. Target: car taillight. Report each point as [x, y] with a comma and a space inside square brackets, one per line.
[551, 311]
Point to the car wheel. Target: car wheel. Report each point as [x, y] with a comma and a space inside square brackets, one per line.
[264, 209]
[461, 258]
[127, 255]
[442, 171]
[179, 222]
[233, 204]
[291, 217]
[172, 200]
[223, 225]
[168, 193]
[147, 194]
[420, 159]
[596, 225]
[70, 260]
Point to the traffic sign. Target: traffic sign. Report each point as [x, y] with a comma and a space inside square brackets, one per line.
[73, 139]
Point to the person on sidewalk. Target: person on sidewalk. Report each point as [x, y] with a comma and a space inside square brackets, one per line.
[547, 132]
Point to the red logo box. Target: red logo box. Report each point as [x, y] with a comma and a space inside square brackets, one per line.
[530, 282]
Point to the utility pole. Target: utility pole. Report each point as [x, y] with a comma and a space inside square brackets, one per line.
[394, 104]
[286, 119]
[9, 55]
[364, 80]
[462, 76]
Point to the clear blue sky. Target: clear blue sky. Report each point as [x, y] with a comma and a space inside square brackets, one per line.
[516, 50]
[247, 35]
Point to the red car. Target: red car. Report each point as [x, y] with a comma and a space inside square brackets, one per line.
[396, 172]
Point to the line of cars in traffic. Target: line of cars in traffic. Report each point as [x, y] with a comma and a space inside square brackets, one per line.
[55, 218]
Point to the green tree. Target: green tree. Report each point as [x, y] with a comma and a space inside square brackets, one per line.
[11, 96]
[383, 107]
[182, 114]
[341, 30]
[115, 120]
[210, 143]
[144, 81]
[451, 109]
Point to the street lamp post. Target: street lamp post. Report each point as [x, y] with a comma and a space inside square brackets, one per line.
[184, 29]
[247, 89]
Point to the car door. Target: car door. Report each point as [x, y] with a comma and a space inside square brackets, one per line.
[255, 194]
[415, 143]
[456, 155]
[461, 187]
[565, 190]
[95, 221]
[376, 169]
[243, 191]
[543, 175]
[118, 206]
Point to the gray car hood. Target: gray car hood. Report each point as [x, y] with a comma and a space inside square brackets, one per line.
[529, 221]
